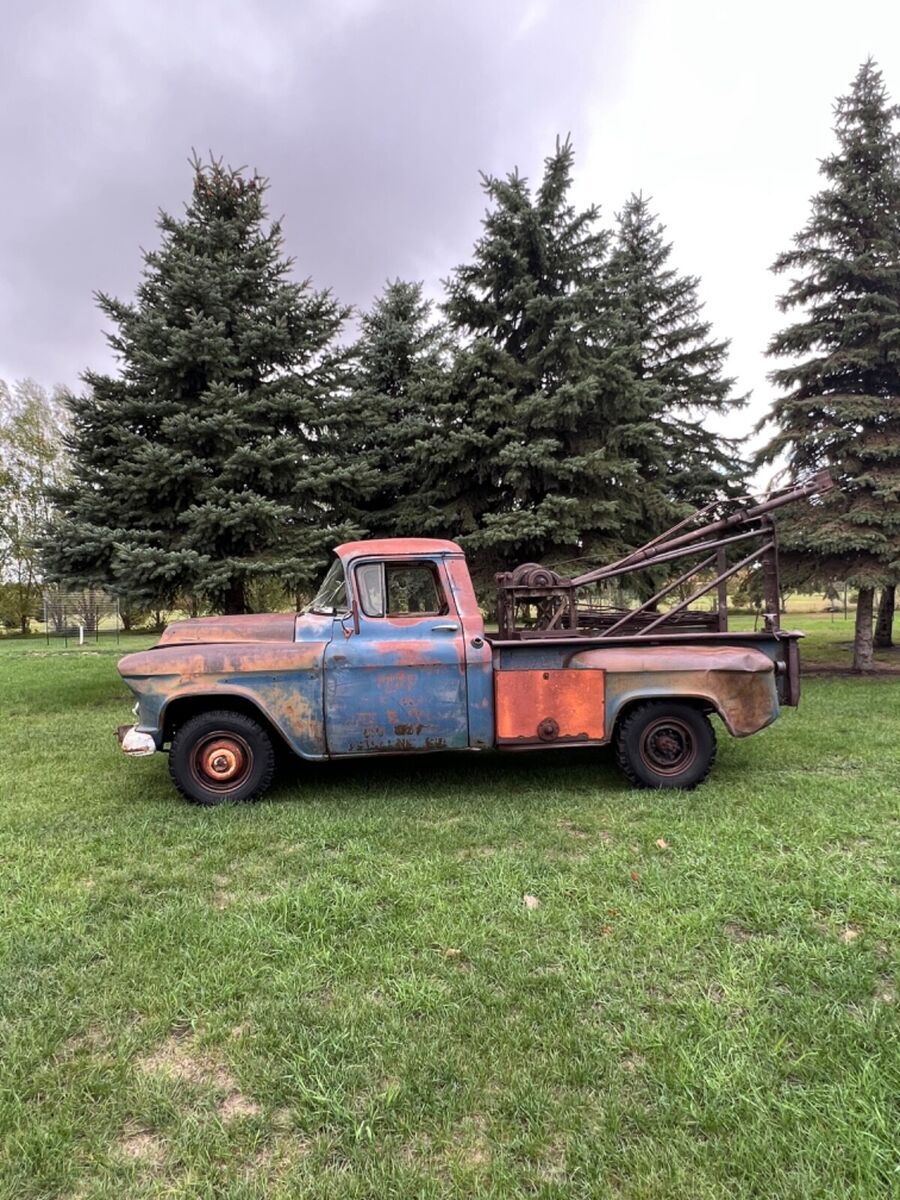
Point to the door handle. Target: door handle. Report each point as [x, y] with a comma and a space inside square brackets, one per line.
[445, 629]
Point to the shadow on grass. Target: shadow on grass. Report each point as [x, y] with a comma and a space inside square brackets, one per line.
[467, 774]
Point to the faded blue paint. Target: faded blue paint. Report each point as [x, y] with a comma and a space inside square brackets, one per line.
[478, 653]
[480, 699]
[546, 654]
[399, 683]
[283, 680]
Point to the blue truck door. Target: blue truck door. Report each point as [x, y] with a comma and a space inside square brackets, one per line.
[399, 683]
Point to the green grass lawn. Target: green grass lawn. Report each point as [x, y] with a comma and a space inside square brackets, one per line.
[340, 993]
[828, 640]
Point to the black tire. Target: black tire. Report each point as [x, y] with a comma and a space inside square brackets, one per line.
[221, 757]
[665, 744]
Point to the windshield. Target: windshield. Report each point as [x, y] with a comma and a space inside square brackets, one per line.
[332, 595]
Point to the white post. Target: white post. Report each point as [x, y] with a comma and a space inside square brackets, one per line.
[80, 634]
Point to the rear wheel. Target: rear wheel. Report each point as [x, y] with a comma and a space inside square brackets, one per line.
[221, 757]
[665, 744]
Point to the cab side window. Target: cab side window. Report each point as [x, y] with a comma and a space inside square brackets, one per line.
[413, 590]
[400, 590]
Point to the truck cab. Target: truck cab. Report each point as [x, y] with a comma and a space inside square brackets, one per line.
[408, 666]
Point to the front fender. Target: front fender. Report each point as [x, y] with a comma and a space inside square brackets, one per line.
[284, 681]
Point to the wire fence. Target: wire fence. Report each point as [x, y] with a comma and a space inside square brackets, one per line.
[79, 616]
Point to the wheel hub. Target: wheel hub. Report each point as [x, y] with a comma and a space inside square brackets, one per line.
[668, 747]
[222, 760]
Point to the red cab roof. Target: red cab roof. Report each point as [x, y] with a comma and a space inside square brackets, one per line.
[396, 547]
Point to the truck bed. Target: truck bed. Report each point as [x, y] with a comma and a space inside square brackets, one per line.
[543, 696]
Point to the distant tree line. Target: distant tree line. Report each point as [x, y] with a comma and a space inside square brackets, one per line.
[32, 457]
[557, 404]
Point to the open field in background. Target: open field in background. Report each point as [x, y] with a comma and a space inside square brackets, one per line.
[340, 993]
[829, 637]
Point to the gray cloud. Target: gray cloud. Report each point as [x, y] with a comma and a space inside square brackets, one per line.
[371, 118]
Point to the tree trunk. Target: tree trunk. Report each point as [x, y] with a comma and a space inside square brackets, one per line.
[862, 641]
[235, 600]
[884, 622]
[24, 622]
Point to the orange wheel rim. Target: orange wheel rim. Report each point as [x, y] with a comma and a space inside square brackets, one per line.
[221, 762]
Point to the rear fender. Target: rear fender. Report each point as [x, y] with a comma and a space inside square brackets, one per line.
[736, 682]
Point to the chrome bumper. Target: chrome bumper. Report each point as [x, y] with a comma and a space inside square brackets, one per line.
[136, 745]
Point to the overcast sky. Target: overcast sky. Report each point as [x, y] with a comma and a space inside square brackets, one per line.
[372, 118]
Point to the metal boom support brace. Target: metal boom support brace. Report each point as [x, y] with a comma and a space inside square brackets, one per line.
[535, 601]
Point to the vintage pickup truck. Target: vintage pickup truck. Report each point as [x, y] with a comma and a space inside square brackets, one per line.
[392, 657]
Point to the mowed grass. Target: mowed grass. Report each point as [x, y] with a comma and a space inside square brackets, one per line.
[827, 639]
[340, 992]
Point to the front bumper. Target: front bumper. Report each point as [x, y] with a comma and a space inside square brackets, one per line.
[135, 744]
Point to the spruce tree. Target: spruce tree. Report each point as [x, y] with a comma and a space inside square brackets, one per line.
[676, 359]
[210, 459]
[399, 381]
[541, 432]
[840, 405]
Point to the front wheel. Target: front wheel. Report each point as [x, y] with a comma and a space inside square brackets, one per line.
[665, 744]
[221, 757]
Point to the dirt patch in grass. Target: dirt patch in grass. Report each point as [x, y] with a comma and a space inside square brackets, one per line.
[552, 1167]
[92, 1040]
[228, 891]
[469, 1145]
[236, 1104]
[419, 1152]
[141, 1145]
[576, 831]
[885, 990]
[288, 1149]
[568, 855]
[847, 934]
[738, 932]
[179, 1057]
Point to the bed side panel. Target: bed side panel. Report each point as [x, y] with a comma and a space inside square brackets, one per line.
[737, 681]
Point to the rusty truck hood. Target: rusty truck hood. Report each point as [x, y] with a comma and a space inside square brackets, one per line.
[259, 627]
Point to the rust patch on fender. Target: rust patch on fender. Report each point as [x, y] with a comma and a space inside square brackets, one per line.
[255, 627]
[737, 681]
[189, 661]
[690, 657]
